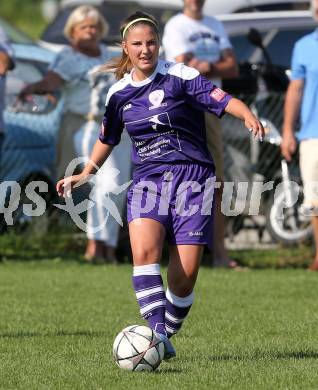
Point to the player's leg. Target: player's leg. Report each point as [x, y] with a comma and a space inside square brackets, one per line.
[182, 274]
[146, 238]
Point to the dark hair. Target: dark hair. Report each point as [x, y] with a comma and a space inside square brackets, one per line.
[122, 65]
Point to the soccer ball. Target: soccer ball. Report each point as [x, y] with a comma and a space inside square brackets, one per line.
[138, 348]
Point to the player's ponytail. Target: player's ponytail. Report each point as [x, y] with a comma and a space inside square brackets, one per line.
[122, 64]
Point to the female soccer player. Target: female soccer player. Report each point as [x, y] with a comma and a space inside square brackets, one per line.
[161, 105]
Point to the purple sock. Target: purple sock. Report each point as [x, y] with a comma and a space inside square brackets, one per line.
[176, 311]
[151, 296]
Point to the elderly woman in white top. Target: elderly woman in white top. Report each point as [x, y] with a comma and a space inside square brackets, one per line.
[74, 70]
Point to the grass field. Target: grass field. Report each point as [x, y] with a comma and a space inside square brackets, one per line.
[255, 329]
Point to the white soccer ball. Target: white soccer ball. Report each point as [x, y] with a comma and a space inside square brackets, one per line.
[138, 348]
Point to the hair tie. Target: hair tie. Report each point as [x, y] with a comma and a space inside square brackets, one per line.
[135, 21]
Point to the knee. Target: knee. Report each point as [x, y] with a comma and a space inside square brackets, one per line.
[145, 257]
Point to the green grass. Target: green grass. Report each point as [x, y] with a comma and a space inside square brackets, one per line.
[255, 329]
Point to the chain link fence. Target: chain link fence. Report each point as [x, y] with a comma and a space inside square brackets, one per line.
[29, 155]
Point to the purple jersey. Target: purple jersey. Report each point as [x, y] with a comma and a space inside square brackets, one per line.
[164, 116]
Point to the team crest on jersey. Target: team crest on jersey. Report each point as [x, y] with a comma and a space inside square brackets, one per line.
[156, 98]
[218, 94]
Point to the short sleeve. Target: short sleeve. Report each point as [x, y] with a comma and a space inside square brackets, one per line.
[206, 96]
[66, 65]
[112, 124]
[298, 69]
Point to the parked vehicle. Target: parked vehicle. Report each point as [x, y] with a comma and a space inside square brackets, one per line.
[213, 7]
[115, 11]
[248, 161]
[28, 151]
[279, 30]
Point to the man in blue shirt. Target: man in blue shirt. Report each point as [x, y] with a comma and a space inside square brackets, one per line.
[6, 63]
[302, 96]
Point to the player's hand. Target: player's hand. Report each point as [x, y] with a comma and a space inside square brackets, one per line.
[64, 186]
[255, 127]
[288, 146]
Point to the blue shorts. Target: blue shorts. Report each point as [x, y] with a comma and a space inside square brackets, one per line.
[180, 198]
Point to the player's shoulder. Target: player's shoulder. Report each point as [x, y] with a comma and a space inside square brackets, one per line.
[115, 88]
[180, 70]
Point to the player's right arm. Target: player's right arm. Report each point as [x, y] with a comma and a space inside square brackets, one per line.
[99, 155]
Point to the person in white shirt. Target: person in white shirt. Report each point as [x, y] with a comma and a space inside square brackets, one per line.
[75, 69]
[201, 42]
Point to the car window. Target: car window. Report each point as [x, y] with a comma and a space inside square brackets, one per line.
[113, 13]
[281, 46]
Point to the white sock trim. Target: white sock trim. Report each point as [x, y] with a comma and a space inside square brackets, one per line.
[178, 301]
[149, 269]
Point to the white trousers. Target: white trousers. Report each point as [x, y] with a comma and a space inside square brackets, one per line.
[101, 225]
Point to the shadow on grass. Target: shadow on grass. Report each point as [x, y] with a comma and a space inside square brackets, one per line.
[266, 355]
[26, 334]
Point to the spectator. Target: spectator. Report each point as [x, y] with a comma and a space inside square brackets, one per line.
[74, 70]
[6, 63]
[201, 42]
[302, 95]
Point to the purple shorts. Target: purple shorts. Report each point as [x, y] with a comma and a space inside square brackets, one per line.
[180, 198]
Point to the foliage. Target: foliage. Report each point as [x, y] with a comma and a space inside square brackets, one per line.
[26, 15]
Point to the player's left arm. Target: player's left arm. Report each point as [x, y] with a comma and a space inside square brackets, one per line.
[240, 110]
